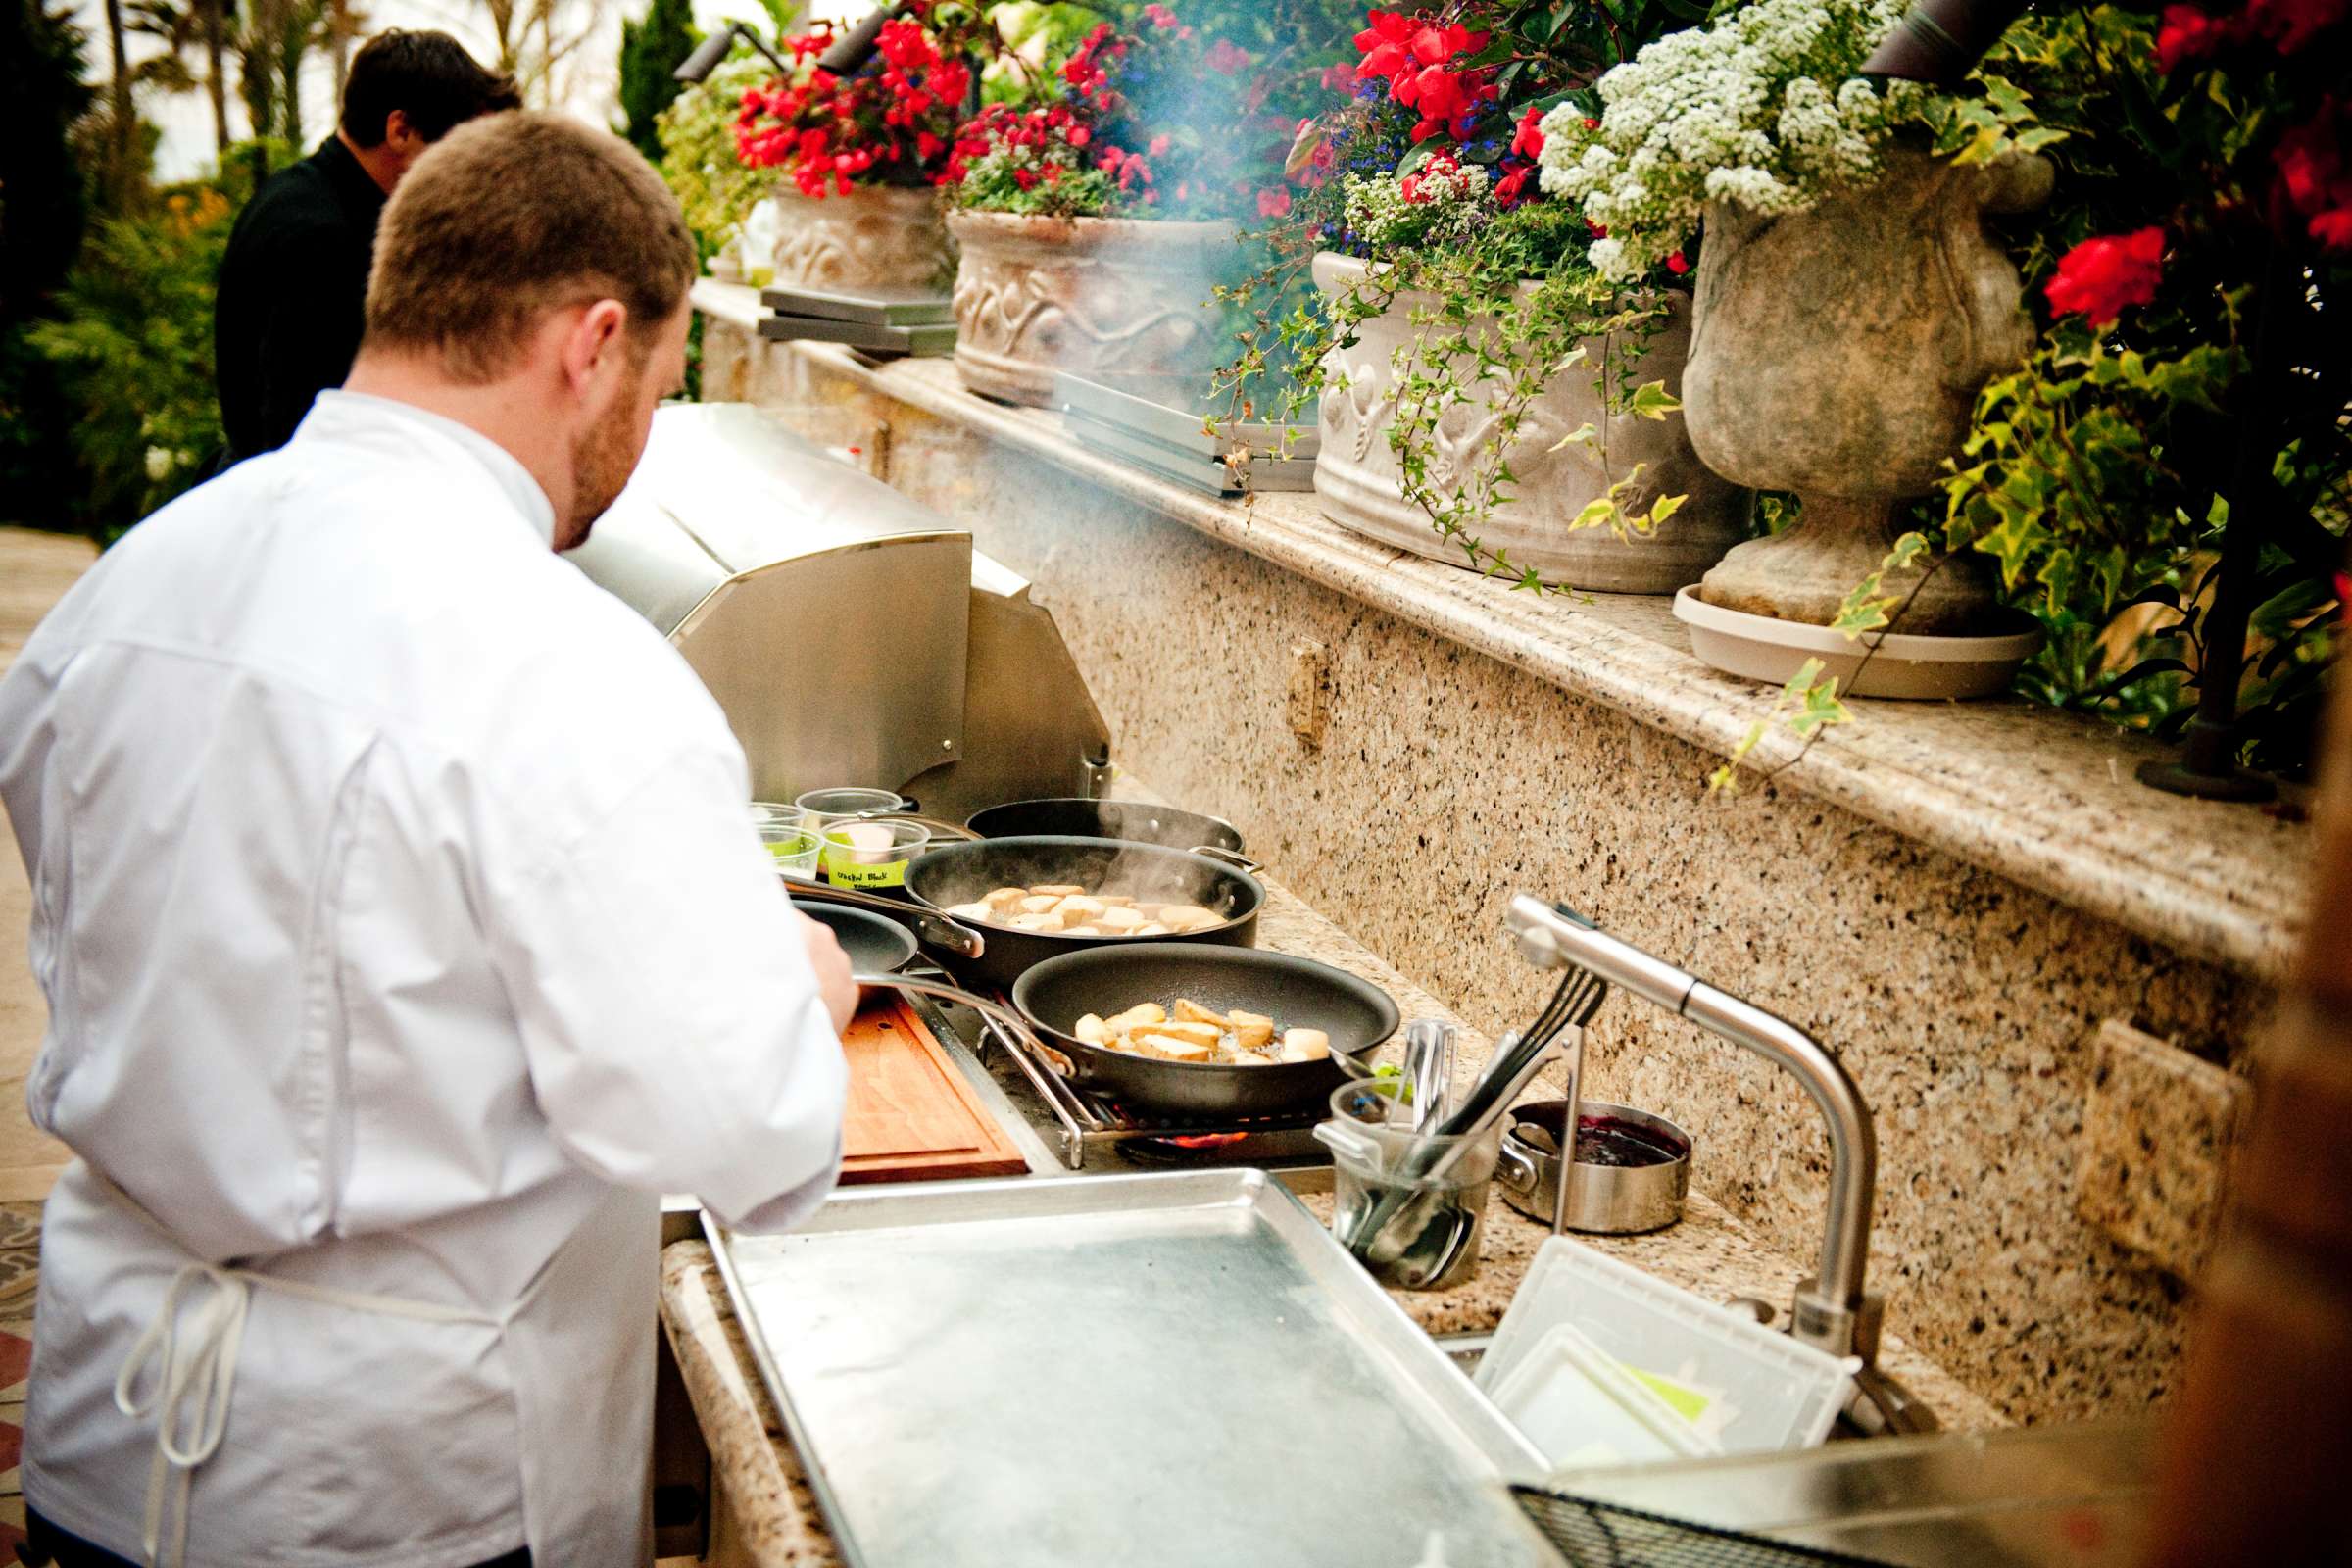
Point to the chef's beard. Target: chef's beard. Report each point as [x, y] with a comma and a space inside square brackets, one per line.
[603, 461]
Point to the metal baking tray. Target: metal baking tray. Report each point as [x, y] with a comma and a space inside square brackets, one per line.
[1147, 1370]
[1182, 411]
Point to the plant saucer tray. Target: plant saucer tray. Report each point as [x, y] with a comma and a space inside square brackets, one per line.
[1767, 648]
[1153, 1370]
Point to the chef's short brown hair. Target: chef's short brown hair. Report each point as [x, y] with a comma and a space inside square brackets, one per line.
[511, 217]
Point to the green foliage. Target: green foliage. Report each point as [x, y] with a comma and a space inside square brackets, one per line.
[697, 134]
[41, 219]
[1808, 704]
[651, 51]
[132, 348]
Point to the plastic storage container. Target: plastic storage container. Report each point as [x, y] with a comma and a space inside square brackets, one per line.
[1744, 1387]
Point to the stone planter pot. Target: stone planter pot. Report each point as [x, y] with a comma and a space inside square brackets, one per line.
[1035, 296]
[1358, 477]
[1838, 352]
[877, 236]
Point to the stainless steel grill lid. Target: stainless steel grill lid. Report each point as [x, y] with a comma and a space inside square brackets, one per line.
[850, 635]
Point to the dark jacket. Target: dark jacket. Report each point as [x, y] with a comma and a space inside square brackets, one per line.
[291, 297]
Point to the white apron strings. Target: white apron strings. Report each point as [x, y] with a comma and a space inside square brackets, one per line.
[195, 1363]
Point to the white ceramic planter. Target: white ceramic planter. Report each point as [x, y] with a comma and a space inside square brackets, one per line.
[1357, 479]
[1035, 296]
[877, 236]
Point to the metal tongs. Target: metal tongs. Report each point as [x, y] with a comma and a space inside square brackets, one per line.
[1518, 1057]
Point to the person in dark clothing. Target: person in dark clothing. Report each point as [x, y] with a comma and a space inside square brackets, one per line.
[287, 307]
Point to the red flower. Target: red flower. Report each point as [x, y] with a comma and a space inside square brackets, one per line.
[2188, 33]
[1387, 26]
[1528, 140]
[1274, 202]
[2100, 277]
[1384, 62]
[1511, 187]
[2291, 24]
[1431, 46]
[1440, 94]
[2312, 175]
[1591, 125]
[1227, 58]
[1678, 263]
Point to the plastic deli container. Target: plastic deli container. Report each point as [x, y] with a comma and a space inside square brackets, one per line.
[872, 854]
[1732, 1385]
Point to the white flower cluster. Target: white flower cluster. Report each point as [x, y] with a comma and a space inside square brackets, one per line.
[1761, 108]
[1443, 203]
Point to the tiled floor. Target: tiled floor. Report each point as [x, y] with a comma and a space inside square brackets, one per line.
[35, 570]
[20, 1263]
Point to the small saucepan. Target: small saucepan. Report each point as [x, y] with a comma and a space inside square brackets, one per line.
[1295, 993]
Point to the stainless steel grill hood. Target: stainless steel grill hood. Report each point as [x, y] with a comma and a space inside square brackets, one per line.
[850, 635]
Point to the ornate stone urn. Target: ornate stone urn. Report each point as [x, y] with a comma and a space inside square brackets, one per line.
[1035, 296]
[1838, 352]
[1358, 477]
[877, 236]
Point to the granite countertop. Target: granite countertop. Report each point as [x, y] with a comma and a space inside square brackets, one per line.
[772, 1516]
[2044, 798]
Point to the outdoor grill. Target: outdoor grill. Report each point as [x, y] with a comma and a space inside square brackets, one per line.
[850, 635]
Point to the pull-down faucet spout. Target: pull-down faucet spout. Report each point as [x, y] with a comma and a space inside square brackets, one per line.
[1832, 1309]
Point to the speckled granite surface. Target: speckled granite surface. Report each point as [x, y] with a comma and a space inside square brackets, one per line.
[1951, 898]
[772, 1518]
[2158, 1135]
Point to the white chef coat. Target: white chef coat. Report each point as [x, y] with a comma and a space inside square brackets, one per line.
[403, 932]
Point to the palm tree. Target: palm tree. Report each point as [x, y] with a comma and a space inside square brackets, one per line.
[179, 27]
[275, 38]
[121, 127]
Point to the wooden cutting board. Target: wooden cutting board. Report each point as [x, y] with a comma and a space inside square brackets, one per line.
[911, 1114]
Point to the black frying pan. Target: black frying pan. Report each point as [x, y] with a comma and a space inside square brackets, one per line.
[875, 946]
[963, 874]
[1133, 820]
[1295, 993]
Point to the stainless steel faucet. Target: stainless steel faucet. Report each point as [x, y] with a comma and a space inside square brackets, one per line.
[1832, 1310]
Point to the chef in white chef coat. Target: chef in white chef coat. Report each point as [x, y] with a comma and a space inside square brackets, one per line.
[403, 935]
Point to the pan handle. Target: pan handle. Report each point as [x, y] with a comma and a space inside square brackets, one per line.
[1233, 858]
[936, 929]
[996, 1011]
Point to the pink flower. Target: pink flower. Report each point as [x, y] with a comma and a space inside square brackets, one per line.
[1227, 58]
[2100, 277]
[1274, 202]
[1158, 146]
[1337, 77]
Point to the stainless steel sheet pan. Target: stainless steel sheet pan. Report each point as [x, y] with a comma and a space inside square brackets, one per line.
[1148, 1371]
